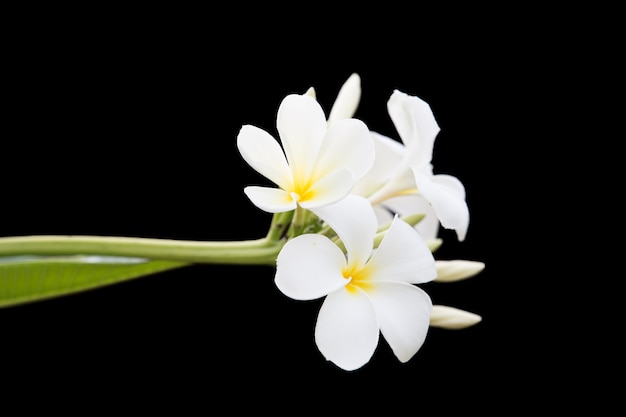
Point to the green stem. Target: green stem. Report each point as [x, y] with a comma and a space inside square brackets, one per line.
[247, 252]
[297, 222]
[278, 227]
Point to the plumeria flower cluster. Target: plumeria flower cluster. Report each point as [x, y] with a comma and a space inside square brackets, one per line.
[363, 212]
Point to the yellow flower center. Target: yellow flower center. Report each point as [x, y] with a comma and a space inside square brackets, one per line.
[359, 278]
[301, 190]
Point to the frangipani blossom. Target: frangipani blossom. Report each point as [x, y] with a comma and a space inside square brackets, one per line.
[320, 162]
[367, 291]
[401, 179]
[411, 172]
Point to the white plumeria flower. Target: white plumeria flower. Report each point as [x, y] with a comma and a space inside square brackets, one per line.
[367, 291]
[409, 169]
[320, 162]
[401, 179]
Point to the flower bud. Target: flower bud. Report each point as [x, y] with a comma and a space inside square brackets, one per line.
[450, 271]
[434, 244]
[452, 318]
[347, 99]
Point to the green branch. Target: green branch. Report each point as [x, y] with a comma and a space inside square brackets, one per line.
[247, 252]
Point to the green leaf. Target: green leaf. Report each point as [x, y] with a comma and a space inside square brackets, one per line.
[25, 279]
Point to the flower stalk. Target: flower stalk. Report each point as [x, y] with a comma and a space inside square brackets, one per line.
[247, 252]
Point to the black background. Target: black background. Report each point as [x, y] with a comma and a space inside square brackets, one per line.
[127, 127]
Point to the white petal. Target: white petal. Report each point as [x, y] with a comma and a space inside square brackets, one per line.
[405, 205]
[403, 312]
[390, 174]
[446, 194]
[354, 221]
[272, 200]
[329, 190]
[310, 266]
[416, 125]
[383, 215]
[347, 99]
[456, 270]
[388, 154]
[452, 318]
[301, 124]
[347, 144]
[263, 153]
[402, 256]
[347, 332]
